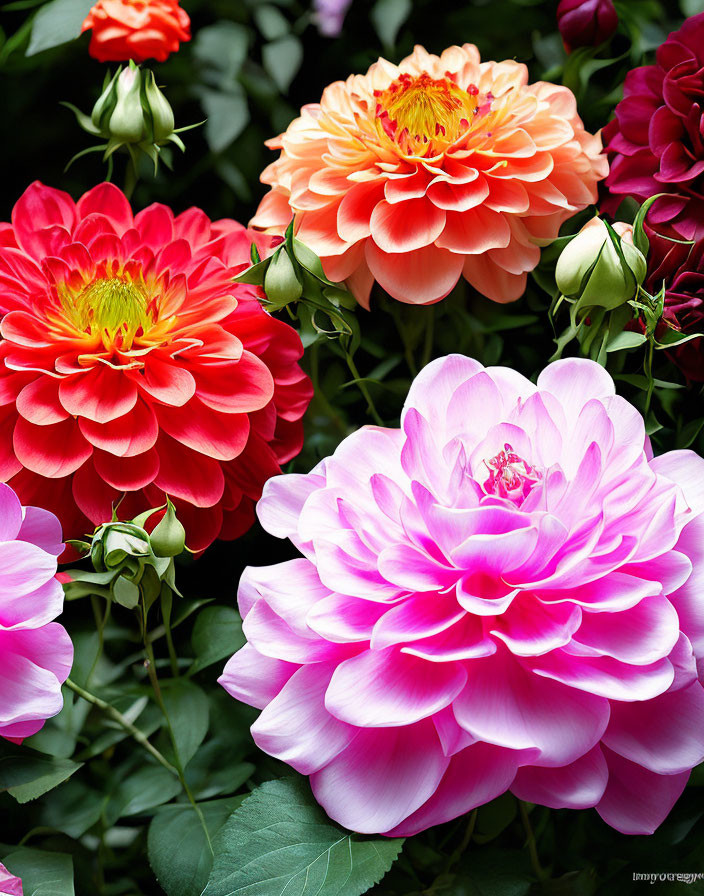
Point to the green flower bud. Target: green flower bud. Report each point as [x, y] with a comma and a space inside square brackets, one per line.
[156, 104]
[118, 544]
[105, 104]
[593, 273]
[169, 537]
[127, 120]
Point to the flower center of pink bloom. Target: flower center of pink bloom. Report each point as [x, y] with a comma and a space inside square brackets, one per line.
[115, 309]
[510, 476]
[424, 115]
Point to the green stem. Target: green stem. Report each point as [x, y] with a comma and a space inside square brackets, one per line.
[649, 374]
[363, 389]
[101, 621]
[319, 394]
[456, 855]
[173, 657]
[151, 672]
[117, 716]
[540, 872]
[131, 178]
[407, 350]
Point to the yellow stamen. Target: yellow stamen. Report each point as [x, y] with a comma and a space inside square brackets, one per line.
[423, 114]
[110, 308]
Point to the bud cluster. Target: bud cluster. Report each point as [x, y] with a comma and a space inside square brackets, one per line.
[132, 114]
[292, 277]
[128, 561]
[599, 274]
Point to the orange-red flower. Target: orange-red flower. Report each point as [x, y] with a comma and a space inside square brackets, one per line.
[136, 29]
[414, 175]
[132, 367]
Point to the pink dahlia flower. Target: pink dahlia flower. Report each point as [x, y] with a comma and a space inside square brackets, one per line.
[504, 593]
[35, 652]
[440, 167]
[9, 884]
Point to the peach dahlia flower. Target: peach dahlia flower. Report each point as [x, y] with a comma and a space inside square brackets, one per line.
[440, 167]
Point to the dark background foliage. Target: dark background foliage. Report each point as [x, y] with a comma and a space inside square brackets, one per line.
[250, 66]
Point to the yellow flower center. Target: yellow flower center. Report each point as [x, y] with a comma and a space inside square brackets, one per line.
[114, 309]
[423, 114]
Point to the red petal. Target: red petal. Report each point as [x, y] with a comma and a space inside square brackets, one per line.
[185, 474]
[127, 474]
[110, 202]
[101, 394]
[9, 465]
[43, 219]
[166, 381]
[39, 402]
[126, 436]
[235, 388]
[155, 225]
[221, 436]
[52, 451]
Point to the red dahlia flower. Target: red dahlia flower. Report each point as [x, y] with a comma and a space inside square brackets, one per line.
[136, 29]
[656, 140]
[132, 367]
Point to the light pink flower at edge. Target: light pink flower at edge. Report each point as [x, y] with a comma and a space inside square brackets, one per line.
[35, 652]
[9, 884]
[505, 593]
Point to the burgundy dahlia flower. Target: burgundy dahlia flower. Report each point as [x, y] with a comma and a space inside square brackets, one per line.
[504, 593]
[656, 140]
[680, 269]
[586, 23]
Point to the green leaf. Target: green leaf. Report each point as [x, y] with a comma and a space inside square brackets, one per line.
[280, 839]
[126, 593]
[217, 634]
[74, 809]
[188, 712]
[270, 21]
[179, 852]
[494, 817]
[227, 116]
[145, 788]
[42, 873]
[387, 17]
[220, 51]
[282, 59]
[26, 774]
[57, 23]
[626, 339]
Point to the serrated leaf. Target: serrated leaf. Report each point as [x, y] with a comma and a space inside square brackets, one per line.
[178, 849]
[57, 23]
[217, 634]
[42, 873]
[280, 839]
